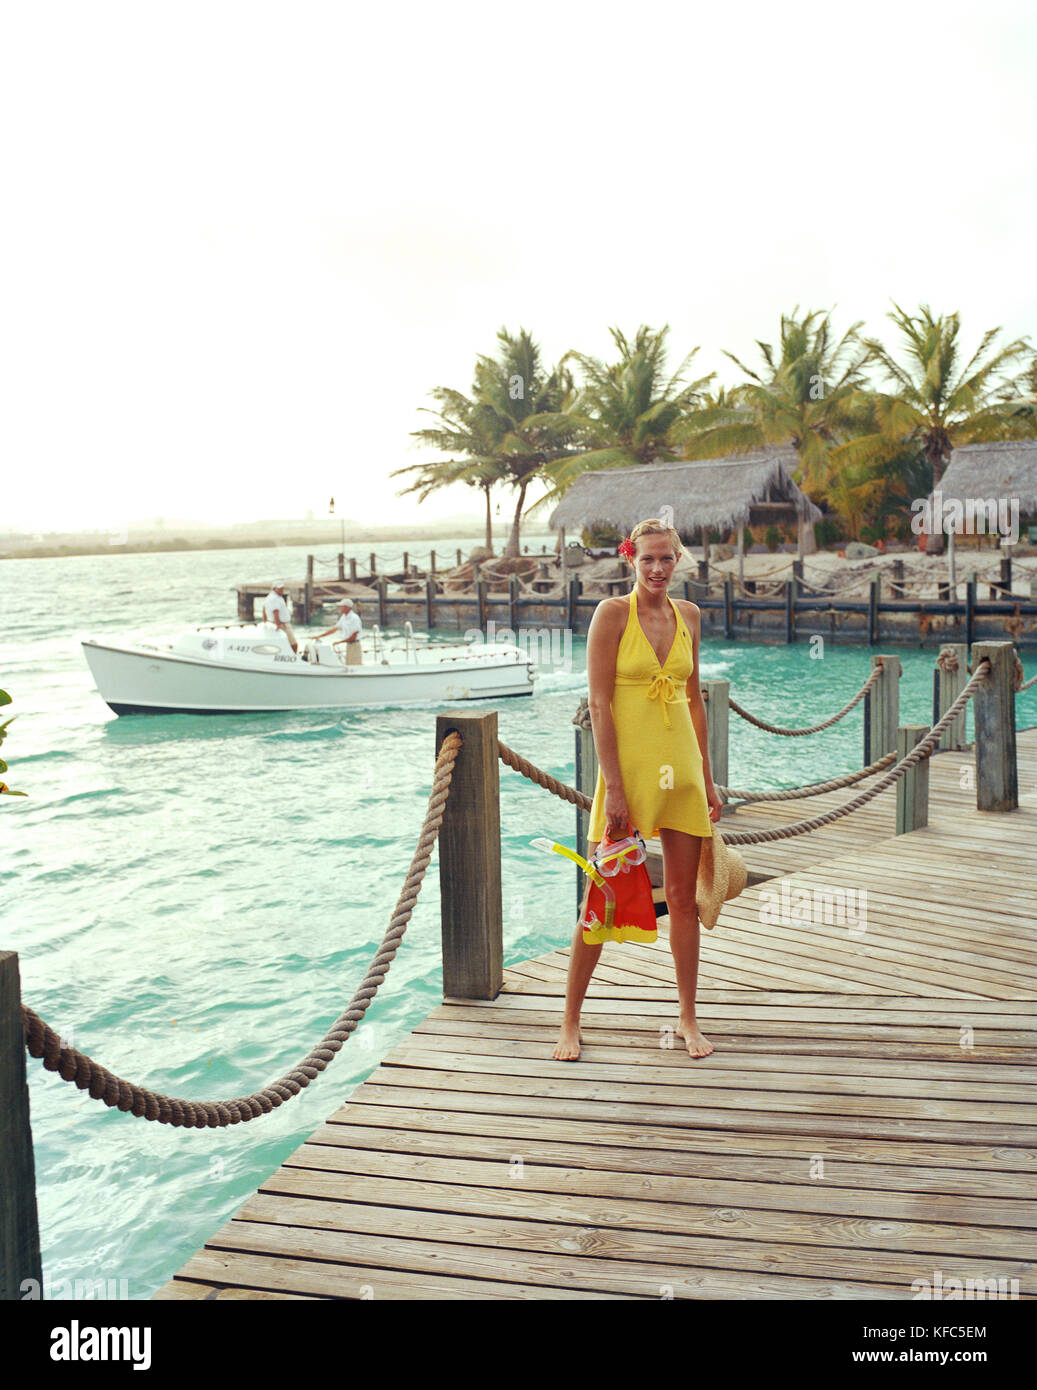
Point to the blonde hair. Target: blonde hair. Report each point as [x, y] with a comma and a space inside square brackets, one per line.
[652, 526]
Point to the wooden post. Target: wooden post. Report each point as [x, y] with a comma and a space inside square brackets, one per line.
[1004, 585]
[341, 565]
[717, 698]
[459, 559]
[513, 596]
[246, 607]
[897, 581]
[373, 566]
[19, 1225]
[791, 589]
[307, 598]
[704, 573]
[883, 708]
[573, 594]
[873, 612]
[469, 862]
[430, 596]
[949, 685]
[797, 571]
[586, 769]
[741, 555]
[432, 562]
[406, 562]
[997, 775]
[480, 599]
[913, 786]
[352, 568]
[970, 609]
[729, 605]
[382, 595]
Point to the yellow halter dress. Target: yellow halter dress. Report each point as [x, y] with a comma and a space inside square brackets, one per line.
[660, 761]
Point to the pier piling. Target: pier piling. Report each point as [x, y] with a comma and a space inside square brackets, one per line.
[997, 777]
[19, 1225]
[470, 861]
[913, 787]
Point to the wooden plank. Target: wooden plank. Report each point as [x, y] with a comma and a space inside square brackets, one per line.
[676, 1277]
[973, 1157]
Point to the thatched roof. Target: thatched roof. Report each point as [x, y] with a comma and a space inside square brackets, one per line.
[1006, 469]
[716, 493]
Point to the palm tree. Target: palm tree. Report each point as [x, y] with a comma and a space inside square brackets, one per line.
[803, 397]
[528, 411]
[936, 403]
[627, 411]
[463, 430]
[516, 421]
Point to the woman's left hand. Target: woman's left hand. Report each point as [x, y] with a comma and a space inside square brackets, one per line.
[713, 797]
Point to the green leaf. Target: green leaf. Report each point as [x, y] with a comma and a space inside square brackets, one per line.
[5, 699]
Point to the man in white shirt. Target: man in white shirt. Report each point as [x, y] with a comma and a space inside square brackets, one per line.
[350, 626]
[275, 610]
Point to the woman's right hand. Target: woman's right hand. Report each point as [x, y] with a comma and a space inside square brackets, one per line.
[617, 817]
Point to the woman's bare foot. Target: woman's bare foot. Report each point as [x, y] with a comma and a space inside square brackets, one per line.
[697, 1044]
[567, 1048]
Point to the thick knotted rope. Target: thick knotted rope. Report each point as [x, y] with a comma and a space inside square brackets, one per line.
[1018, 681]
[543, 779]
[800, 733]
[811, 788]
[88, 1075]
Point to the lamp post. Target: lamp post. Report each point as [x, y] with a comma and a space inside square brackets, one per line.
[342, 519]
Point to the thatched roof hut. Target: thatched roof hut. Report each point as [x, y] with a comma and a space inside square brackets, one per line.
[722, 494]
[1004, 469]
[987, 488]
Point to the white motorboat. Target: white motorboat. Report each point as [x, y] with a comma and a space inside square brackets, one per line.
[251, 667]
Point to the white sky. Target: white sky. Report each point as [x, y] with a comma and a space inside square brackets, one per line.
[241, 242]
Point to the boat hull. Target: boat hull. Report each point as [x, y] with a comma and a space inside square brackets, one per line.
[141, 680]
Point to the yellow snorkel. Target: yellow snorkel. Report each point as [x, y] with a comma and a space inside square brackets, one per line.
[553, 847]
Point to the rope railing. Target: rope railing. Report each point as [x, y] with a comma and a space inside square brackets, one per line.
[923, 749]
[810, 788]
[816, 728]
[72, 1065]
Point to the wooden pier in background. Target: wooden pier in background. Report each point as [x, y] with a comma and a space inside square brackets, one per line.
[554, 599]
[867, 1121]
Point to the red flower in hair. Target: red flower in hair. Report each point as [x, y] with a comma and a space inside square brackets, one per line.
[627, 548]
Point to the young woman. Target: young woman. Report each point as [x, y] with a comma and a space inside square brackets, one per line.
[649, 726]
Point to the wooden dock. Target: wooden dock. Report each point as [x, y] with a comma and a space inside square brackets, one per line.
[731, 608]
[868, 1119]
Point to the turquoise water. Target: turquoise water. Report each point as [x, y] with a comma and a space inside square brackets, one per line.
[195, 899]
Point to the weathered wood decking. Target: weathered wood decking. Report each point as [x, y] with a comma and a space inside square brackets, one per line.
[869, 1116]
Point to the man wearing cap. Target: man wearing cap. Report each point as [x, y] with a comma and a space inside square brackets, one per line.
[350, 626]
[275, 610]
